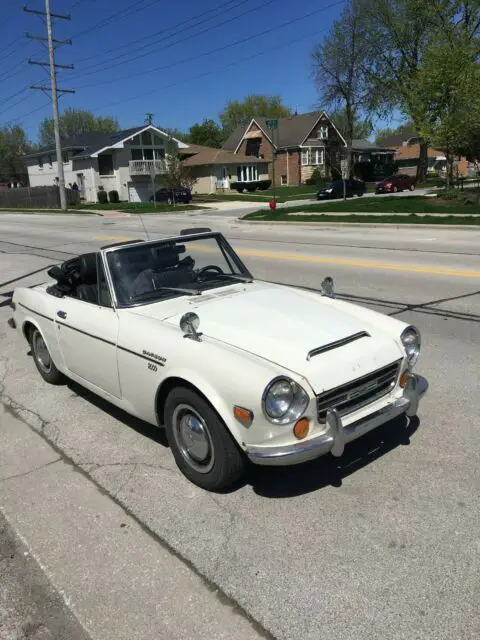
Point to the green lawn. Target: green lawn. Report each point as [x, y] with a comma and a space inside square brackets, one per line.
[412, 218]
[387, 205]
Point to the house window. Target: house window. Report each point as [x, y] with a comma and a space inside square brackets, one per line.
[105, 165]
[40, 162]
[147, 138]
[65, 156]
[318, 156]
[247, 173]
[284, 181]
[157, 140]
[159, 153]
[322, 131]
[253, 147]
[304, 156]
[137, 154]
[135, 141]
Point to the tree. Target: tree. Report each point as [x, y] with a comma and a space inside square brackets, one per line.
[399, 32]
[254, 106]
[13, 146]
[177, 174]
[406, 130]
[361, 128]
[448, 96]
[207, 133]
[75, 122]
[337, 71]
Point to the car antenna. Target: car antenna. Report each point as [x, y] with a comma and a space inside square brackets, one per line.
[143, 225]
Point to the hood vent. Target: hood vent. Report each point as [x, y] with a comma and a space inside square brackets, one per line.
[337, 343]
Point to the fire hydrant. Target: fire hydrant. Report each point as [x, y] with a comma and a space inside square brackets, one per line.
[272, 204]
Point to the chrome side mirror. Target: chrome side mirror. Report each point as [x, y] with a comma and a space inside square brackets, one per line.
[328, 287]
[189, 324]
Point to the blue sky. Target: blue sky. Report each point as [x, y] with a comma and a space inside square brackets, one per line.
[181, 61]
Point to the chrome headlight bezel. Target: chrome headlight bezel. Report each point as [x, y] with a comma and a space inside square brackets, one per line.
[411, 341]
[296, 408]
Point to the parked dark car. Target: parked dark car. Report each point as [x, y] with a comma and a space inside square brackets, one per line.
[399, 182]
[170, 196]
[335, 189]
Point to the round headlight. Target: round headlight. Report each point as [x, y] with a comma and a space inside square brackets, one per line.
[284, 401]
[411, 343]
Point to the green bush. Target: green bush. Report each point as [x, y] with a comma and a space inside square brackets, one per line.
[102, 197]
[263, 185]
[315, 178]
[113, 196]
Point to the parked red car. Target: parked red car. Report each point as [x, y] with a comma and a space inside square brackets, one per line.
[399, 182]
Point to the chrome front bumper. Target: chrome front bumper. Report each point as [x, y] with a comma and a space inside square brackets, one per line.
[334, 439]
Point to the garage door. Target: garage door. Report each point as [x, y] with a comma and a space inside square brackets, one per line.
[139, 192]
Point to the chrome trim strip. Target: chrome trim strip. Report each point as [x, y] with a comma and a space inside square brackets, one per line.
[337, 343]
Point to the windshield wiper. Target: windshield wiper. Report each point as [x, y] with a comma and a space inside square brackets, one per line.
[151, 294]
[233, 276]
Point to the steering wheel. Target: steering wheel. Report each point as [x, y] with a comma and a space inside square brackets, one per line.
[209, 267]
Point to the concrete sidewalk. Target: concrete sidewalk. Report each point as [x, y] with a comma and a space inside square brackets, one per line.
[119, 580]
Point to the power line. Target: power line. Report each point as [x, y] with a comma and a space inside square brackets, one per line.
[215, 71]
[14, 95]
[216, 49]
[115, 16]
[182, 23]
[171, 44]
[25, 115]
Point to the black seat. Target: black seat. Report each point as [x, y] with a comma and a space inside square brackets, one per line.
[88, 289]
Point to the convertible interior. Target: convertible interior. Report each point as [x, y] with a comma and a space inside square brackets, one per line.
[133, 272]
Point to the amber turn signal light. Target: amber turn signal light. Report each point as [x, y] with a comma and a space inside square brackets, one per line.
[301, 428]
[245, 416]
[404, 379]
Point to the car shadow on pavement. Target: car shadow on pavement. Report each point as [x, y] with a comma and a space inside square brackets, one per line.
[287, 482]
[157, 434]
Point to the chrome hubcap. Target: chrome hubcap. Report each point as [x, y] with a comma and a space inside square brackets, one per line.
[193, 438]
[41, 353]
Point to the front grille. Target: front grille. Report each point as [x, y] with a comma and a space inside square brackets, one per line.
[362, 391]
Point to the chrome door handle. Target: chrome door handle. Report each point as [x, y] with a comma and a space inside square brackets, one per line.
[61, 314]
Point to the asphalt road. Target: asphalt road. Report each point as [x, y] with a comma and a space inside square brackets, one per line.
[380, 544]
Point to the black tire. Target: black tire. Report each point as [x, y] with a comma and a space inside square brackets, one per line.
[223, 463]
[43, 360]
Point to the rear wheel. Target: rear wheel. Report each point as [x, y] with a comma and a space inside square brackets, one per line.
[395, 189]
[203, 449]
[43, 359]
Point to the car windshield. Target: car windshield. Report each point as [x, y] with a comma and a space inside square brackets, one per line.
[152, 271]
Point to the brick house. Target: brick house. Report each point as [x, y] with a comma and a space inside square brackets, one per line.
[303, 143]
[407, 156]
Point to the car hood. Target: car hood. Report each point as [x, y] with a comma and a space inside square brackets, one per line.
[284, 324]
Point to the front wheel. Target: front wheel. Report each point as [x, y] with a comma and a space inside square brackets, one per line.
[412, 187]
[203, 449]
[43, 359]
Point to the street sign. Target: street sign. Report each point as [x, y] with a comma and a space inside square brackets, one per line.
[344, 168]
[272, 124]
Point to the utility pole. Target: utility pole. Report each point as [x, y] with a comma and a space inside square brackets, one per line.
[51, 42]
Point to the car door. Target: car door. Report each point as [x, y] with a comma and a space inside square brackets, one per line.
[87, 337]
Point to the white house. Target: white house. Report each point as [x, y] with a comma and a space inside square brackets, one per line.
[122, 162]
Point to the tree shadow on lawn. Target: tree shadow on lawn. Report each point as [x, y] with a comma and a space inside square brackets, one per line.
[295, 480]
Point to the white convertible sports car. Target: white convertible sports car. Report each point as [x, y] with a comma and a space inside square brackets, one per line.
[179, 333]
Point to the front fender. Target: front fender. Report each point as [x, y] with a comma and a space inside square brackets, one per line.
[219, 403]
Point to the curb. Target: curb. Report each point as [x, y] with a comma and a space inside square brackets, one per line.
[365, 225]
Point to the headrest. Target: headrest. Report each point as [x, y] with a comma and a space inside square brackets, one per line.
[88, 268]
[166, 256]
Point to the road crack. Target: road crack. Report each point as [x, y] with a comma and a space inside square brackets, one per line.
[27, 473]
